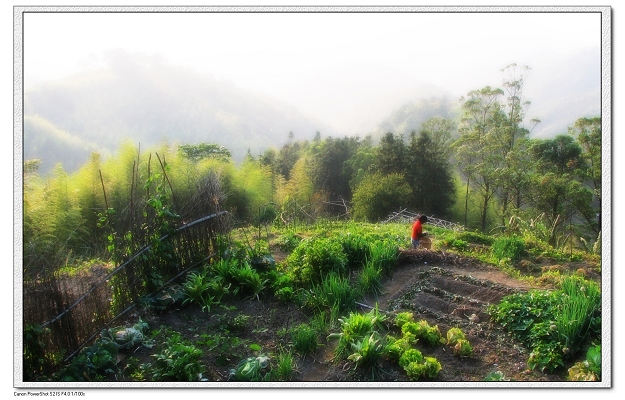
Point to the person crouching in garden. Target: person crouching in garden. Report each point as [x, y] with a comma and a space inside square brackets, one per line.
[417, 231]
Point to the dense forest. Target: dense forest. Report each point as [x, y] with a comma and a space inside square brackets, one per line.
[480, 169]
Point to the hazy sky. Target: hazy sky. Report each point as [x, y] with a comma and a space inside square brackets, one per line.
[337, 67]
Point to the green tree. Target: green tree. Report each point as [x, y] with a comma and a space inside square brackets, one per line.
[512, 141]
[287, 156]
[429, 173]
[378, 195]
[330, 169]
[587, 131]
[475, 150]
[390, 155]
[299, 187]
[360, 162]
[197, 152]
[555, 191]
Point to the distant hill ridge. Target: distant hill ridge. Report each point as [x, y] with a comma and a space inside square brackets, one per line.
[151, 102]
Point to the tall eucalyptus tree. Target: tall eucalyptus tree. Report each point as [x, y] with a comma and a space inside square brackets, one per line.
[476, 151]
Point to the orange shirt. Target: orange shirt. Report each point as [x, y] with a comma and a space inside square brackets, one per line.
[417, 230]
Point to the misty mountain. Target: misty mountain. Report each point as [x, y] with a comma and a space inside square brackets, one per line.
[410, 116]
[559, 94]
[151, 102]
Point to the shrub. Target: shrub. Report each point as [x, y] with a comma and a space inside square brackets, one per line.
[315, 258]
[508, 247]
[179, 361]
[288, 241]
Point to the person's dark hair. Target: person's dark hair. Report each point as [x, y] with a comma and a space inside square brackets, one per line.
[423, 219]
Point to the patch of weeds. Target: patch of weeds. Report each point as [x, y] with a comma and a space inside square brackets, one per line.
[288, 241]
[224, 347]
[370, 280]
[476, 237]
[285, 367]
[511, 248]
[305, 340]
[333, 291]
[315, 258]
[239, 322]
[178, 361]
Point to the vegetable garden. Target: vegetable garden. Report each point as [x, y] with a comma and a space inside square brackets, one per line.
[344, 302]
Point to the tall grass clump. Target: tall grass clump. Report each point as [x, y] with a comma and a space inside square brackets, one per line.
[285, 367]
[508, 247]
[370, 280]
[579, 315]
[334, 293]
[305, 340]
[384, 254]
[356, 248]
[315, 258]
